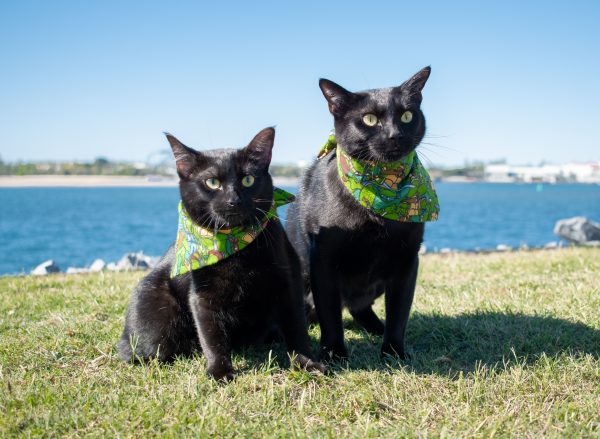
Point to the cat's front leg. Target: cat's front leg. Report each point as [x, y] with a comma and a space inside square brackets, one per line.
[398, 301]
[291, 315]
[213, 340]
[328, 303]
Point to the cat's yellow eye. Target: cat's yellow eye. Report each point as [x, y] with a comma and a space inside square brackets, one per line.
[213, 183]
[248, 180]
[370, 120]
[406, 117]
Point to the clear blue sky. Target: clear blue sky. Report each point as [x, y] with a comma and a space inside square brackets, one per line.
[81, 79]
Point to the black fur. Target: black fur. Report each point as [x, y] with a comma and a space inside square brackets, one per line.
[244, 299]
[349, 255]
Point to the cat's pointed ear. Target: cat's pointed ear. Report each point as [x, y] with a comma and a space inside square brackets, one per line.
[415, 85]
[259, 150]
[186, 159]
[338, 98]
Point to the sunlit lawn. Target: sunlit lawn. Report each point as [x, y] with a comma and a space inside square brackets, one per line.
[505, 344]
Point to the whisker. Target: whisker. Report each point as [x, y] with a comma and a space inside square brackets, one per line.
[426, 159]
[434, 136]
[440, 146]
[268, 237]
[431, 151]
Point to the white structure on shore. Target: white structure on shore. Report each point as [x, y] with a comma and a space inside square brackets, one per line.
[570, 172]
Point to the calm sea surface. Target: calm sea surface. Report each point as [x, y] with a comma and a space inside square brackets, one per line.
[74, 226]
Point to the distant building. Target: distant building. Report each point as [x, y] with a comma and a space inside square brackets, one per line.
[570, 172]
[582, 172]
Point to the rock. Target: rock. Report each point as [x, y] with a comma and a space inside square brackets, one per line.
[75, 270]
[423, 249]
[446, 250]
[578, 229]
[133, 261]
[551, 244]
[503, 248]
[592, 244]
[97, 265]
[45, 267]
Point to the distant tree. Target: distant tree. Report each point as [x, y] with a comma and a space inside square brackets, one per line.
[25, 169]
[101, 162]
[285, 171]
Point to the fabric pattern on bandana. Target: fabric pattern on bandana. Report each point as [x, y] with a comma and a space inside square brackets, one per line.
[197, 247]
[400, 191]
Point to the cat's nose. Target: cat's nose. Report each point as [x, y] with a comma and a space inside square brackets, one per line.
[234, 202]
[394, 133]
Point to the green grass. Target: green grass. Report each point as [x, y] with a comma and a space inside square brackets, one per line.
[505, 344]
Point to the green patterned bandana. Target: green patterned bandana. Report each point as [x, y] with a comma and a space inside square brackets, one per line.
[197, 247]
[400, 190]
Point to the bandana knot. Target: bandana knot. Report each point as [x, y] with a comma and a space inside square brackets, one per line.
[401, 190]
[197, 247]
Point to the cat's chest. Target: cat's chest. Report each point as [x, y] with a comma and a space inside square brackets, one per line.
[243, 277]
[373, 252]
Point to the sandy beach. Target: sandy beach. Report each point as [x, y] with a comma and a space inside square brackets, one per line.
[103, 181]
[84, 181]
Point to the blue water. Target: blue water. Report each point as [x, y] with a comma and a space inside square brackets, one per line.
[74, 226]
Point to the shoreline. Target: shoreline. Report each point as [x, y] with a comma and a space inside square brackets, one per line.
[38, 181]
[32, 181]
[139, 261]
[99, 181]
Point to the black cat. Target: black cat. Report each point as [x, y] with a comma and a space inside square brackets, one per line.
[242, 299]
[350, 255]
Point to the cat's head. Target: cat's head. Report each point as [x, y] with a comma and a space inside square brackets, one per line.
[383, 124]
[226, 187]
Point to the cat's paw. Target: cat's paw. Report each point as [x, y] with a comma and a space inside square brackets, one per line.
[334, 354]
[307, 364]
[389, 349]
[315, 366]
[221, 373]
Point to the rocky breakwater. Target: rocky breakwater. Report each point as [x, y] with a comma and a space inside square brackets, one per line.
[577, 230]
[129, 262]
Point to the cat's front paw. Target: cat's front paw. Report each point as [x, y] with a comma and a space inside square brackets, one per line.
[334, 354]
[221, 373]
[390, 349]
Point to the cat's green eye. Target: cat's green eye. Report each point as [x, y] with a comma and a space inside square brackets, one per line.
[406, 117]
[370, 120]
[248, 180]
[213, 183]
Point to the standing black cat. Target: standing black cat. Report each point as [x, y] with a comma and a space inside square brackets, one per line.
[243, 298]
[350, 255]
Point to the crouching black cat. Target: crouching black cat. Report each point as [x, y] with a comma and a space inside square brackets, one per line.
[232, 278]
[358, 222]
